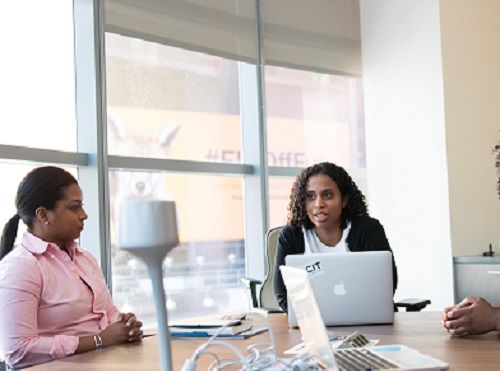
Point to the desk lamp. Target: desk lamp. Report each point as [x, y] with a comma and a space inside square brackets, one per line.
[148, 230]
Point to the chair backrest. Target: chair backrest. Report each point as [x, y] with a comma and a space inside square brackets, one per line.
[266, 297]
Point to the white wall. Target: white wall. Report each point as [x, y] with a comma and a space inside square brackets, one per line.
[471, 59]
[406, 143]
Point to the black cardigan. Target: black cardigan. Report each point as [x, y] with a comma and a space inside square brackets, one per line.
[366, 234]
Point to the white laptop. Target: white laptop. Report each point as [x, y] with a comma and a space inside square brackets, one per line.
[350, 288]
[312, 328]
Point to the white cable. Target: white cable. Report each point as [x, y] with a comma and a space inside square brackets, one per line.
[262, 356]
[219, 365]
[190, 364]
[234, 349]
[271, 335]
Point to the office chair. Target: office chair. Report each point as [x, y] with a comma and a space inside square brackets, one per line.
[267, 301]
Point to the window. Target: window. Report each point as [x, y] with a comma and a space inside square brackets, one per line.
[183, 105]
[202, 274]
[312, 118]
[321, 116]
[184, 121]
[167, 102]
[37, 89]
[38, 76]
[314, 96]
[176, 91]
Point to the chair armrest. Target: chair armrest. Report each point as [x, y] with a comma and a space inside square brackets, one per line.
[412, 305]
[265, 310]
[272, 310]
[250, 285]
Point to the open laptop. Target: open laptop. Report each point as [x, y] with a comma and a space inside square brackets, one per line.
[350, 288]
[312, 328]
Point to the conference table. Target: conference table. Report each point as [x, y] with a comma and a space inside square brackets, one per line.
[419, 330]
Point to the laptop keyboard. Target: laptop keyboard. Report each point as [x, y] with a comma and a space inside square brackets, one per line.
[362, 359]
[355, 340]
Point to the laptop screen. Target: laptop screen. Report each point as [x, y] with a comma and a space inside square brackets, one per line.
[306, 310]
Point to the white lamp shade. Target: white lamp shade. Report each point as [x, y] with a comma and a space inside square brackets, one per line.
[147, 224]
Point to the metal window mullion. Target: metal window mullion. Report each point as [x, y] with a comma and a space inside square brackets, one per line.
[184, 166]
[254, 148]
[45, 156]
[91, 129]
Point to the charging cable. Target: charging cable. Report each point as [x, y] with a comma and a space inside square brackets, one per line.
[261, 356]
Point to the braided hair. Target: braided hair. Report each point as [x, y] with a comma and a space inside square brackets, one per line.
[356, 204]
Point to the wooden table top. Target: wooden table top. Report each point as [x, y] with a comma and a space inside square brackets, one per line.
[419, 330]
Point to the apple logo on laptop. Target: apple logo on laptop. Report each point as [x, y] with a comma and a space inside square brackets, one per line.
[339, 289]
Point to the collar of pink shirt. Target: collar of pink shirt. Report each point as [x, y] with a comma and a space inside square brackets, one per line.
[36, 245]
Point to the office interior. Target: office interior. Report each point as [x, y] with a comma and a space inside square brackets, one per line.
[429, 77]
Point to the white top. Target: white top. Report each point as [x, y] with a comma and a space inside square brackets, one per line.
[313, 245]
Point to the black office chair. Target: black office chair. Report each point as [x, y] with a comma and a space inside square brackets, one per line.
[266, 300]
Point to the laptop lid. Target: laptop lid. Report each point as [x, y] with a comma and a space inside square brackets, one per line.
[301, 299]
[350, 288]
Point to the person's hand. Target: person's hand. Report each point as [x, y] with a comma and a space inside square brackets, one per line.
[472, 316]
[129, 319]
[126, 329]
[133, 324]
[464, 303]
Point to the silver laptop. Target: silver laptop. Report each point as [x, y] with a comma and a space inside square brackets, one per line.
[312, 328]
[350, 288]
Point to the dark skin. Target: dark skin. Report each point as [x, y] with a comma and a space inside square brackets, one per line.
[472, 316]
[325, 204]
[126, 330]
[63, 225]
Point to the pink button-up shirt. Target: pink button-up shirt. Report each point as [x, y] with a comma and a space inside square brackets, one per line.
[48, 299]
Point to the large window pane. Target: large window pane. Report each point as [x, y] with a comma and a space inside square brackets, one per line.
[322, 116]
[279, 197]
[37, 74]
[202, 274]
[168, 102]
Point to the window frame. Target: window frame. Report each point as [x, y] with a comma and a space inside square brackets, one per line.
[94, 163]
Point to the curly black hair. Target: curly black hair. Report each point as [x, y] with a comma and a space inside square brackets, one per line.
[356, 204]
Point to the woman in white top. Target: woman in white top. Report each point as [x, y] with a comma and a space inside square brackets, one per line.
[327, 213]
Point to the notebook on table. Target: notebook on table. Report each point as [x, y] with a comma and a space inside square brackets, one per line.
[350, 288]
[312, 328]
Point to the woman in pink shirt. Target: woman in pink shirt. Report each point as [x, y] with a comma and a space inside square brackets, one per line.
[54, 301]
